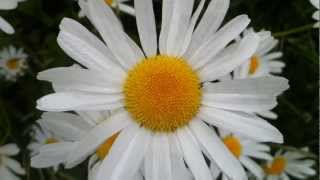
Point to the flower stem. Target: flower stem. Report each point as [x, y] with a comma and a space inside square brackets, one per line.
[294, 30]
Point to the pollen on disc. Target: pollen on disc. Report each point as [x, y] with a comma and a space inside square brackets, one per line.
[162, 93]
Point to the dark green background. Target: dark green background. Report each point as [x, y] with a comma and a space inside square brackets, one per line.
[36, 23]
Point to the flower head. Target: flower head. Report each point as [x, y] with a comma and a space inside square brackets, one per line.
[163, 97]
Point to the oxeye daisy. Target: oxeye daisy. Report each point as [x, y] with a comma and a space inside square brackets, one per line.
[264, 62]
[162, 98]
[116, 4]
[12, 63]
[289, 164]
[316, 15]
[246, 151]
[7, 5]
[59, 135]
[10, 168]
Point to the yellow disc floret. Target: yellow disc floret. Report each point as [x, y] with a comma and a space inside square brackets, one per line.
[104, 149]
[51, 141]
[162, 93]
[234, 145]
[109, 2]
[277, 166]
[254, 64]
[13, 64]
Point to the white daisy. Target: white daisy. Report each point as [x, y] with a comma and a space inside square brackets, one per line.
[116, 4]
[161, 99]
[246, 151]
[287, 164]
[59, 134]
[7, 5]
[264, 62]
[12, 63]
[316, 15]
[10, 168]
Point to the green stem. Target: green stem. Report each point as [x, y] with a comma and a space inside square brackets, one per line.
[294, 30]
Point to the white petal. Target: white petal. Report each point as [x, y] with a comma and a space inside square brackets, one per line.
[224, 65]
[315, 3]
[8, 4]
[209, 23]
[244, 124]
[127, 9]
[159, 159]
[123, 48]
[217, 42]
[190, 30]
[175, 21]
[52, 154]
[13, 165]
[65, 101]
[146, 26]
[252, 166]
[217, 150]
[7, 174]
[77, 79]
[126, 155]
[86, 48]
[192, 155]
[271, 56]
[246, 103]
[98, 135]
[67, 126]
[272, 86]
[5, 26]
[268, 114]
[9, 149]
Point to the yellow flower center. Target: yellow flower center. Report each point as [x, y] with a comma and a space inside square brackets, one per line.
[254, 64]
[13, 63]
[51, 141]
[109, 2]
[104, 149]
[234, 145]
[162, 93]
[277, 166]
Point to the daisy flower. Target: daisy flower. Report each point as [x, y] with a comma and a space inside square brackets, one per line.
[316, 15]
[10, 168]
[116, 4]
[58, 136]
[246, 151]
[7, 5]
[264, 62]
[286, 164]
[12, 63]
[163, 99]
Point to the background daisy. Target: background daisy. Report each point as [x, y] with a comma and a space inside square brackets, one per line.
[10, 168]
[120, 76]
[13, 63]
[246, 151]
[316, 15]
[289, 164]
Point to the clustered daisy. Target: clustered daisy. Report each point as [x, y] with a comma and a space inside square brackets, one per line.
[186, 103]
[7, 5]
[12, 63]
[162, 97]
[10, 168]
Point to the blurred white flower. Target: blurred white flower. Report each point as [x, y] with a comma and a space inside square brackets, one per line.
[116, 4]
[316, 15]
[12, 63]
[10, 168]
[264, 62]
[7, 5]
[58, 136]
[246, 151]
[162, 101]
[289, 163]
